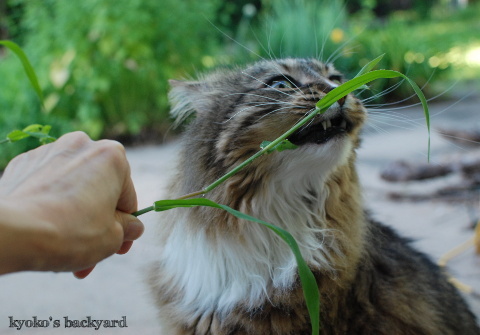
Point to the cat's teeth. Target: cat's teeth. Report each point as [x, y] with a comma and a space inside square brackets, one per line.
[344, 124]
[324, 124]
[329, 123]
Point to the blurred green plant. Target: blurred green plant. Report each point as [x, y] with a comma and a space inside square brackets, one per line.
[103, 65]
[109, 74]
[428, 50]
[38, 131]
[302, 28]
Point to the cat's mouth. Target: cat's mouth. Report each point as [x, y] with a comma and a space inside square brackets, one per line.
[322, 132]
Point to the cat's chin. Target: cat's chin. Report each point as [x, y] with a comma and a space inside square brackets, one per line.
[316, 158]
[334, 151]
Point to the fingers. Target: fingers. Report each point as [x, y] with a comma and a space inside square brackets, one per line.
[133, 228]
[125, 247]
[83, 273]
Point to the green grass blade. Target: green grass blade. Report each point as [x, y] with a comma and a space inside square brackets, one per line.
[309, 284]
[339, 92]
[370, 65]
[26, 66]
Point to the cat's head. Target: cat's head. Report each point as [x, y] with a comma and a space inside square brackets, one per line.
[235, 110]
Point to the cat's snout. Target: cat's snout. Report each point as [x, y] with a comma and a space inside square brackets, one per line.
[325, 88]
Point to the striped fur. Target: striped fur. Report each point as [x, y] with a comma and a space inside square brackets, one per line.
[220, 275]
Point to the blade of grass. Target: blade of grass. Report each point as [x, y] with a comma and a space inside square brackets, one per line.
[30, 72]
[370, 65]
[339, 92]
[309, 284]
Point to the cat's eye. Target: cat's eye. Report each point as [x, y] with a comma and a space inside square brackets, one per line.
[336, 78]
[281, 81]
[281, 84]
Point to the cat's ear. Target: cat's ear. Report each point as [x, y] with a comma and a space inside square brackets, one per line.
[186, 98]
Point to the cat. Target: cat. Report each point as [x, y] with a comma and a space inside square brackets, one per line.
[220, 275]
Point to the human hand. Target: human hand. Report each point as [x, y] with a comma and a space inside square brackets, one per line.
[67, 206]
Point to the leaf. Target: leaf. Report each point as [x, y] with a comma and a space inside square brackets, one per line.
[284, 145]
[339, 92]
[16, 135]
[370, 65]
[30, 72]
[37, 131]
[37, 128]
[309, 284]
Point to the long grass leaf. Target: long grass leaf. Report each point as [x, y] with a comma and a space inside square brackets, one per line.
[339, 92]
[309, 284]
[30, 72]
[369, 66]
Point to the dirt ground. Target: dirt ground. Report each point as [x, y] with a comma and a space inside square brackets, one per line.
[116, 288]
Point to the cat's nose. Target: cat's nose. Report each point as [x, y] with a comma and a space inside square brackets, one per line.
[326, 88]
[341, 101]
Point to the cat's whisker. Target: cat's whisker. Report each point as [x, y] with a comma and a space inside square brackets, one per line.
[466, 96]
[257, 105]
[392, 88]
[235, 40]
[258, 95]
[395, 117]
[397, 125]
[384, 93]
[276, 111]
[457, 138]
[339, 52]
[305, 126]
[375, 106]
[377, 128]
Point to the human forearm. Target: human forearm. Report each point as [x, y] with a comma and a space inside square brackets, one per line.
[24, 241]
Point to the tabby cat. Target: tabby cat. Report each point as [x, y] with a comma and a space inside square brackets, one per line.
[220, 275]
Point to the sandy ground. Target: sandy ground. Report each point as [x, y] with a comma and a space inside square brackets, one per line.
[117, 289]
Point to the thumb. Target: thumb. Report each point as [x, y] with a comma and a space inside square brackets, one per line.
[133, 228]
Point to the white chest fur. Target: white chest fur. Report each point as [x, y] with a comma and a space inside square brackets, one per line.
[217, 274]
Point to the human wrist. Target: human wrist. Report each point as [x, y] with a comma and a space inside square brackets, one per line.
[24, 239]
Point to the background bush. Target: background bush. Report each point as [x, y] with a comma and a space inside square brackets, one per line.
[104, 64]
[418, 40]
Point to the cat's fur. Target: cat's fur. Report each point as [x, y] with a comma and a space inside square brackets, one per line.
[220, 275]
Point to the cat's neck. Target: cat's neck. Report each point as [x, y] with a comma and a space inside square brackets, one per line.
[321, 208]
[224, 261]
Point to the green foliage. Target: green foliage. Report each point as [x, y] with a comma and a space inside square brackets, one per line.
[110, 76]
[430, 51]
[104, 64]
[302, 28]
[40, 132]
